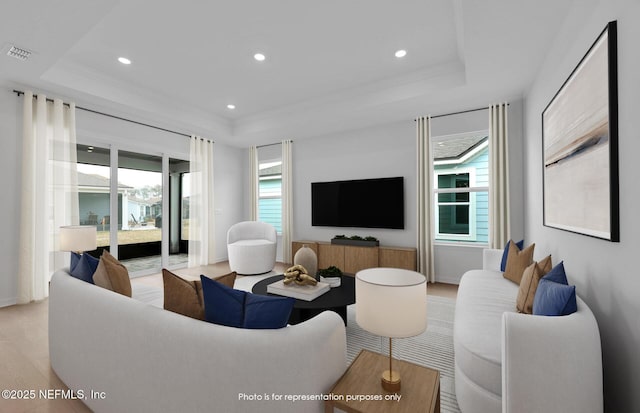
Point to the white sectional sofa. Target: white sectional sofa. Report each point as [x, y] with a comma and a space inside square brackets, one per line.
[142, 358]
[517, 363]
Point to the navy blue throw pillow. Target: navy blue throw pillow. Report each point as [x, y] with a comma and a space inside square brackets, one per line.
[222, 305]
[554, 299]
[235, 308]
[262, 311]
[505, 254]
[83, 266]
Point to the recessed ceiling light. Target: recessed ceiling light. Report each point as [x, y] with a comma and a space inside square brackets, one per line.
[259, 57]
[401, 53]
[124, 60]
[230, 106]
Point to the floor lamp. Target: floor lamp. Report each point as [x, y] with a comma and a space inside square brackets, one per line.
[391, 302]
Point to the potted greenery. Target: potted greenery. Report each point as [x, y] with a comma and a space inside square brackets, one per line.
[355, 240]
[331, 276]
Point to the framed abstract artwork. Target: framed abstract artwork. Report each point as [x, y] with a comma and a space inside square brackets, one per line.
[580, 146]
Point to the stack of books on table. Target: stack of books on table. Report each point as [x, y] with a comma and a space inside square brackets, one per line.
[300, 292]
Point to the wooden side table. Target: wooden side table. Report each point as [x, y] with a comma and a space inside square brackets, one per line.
[359, 388]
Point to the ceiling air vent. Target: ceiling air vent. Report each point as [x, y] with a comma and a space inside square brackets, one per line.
[18, 53]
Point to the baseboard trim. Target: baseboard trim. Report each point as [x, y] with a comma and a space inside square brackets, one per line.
[6, 302]
[448, 280]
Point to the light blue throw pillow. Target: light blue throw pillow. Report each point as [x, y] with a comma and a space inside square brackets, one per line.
[557, 274]
[554, 299]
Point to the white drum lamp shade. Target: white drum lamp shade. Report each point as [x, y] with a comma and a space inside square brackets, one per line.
[391, 302]
[78, 238]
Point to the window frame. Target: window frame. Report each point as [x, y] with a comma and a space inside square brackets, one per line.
[272, 196]
[471, 190]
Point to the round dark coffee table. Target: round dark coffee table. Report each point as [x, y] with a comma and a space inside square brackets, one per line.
[336, 299]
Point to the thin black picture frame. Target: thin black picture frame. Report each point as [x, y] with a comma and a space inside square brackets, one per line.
[575, 147]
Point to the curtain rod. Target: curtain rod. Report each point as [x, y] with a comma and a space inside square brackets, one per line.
[18, 92]
[460, 112]
[272, 144]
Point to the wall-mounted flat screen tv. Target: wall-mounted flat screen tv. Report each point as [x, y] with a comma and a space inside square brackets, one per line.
[363, 203]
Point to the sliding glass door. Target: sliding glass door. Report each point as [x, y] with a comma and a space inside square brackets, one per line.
[130, 214]
[94, 191]
[178, 211]
[140, 211]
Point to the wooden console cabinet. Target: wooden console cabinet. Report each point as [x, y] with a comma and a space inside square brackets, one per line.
[351, 259]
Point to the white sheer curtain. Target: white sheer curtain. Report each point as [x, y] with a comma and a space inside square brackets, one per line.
[287, 200]
[425, 199]
[253, 182]
[499, 215]
[201, 205]
[49, 196]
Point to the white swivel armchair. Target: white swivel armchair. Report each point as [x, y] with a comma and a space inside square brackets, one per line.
[251, 246]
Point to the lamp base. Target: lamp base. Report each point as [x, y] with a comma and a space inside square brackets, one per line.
[391, 381]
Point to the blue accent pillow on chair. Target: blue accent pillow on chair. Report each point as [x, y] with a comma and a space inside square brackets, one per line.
[83, 266]
[554, 299]
[505, 254]
[222, 305]
[263, 311]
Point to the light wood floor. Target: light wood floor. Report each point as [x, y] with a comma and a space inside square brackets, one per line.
[24, 349]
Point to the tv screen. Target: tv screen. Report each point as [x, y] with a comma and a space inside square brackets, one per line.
[364, 203]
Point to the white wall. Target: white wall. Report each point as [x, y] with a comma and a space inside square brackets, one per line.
[10, 165]
[383, 151]
[379, 152]
[229, 195]
[605, 273]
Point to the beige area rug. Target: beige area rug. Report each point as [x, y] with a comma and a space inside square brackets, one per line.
[433, 348]
[246, 282]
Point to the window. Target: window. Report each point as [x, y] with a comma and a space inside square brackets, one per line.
[455, 211]
[270, 193]
[461, 187]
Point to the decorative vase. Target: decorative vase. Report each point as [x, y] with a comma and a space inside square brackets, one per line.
[306, 257]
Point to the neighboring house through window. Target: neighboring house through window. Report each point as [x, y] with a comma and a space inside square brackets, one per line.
[270, 193]
[461, 187]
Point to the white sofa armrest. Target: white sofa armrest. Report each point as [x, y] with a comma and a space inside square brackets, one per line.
[551, 363]
[491, 259]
